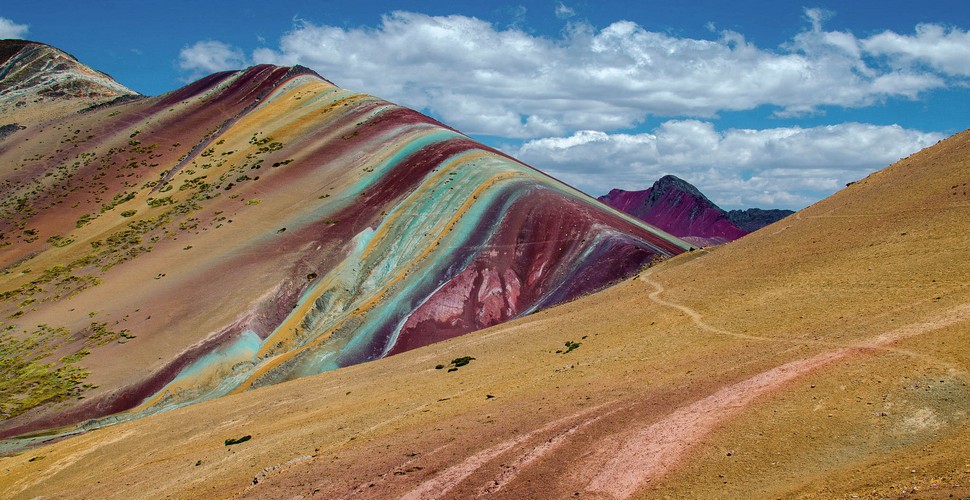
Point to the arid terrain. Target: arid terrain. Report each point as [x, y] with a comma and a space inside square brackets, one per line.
[822, 356]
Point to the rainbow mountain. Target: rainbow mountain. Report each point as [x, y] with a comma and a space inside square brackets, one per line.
[258, 226]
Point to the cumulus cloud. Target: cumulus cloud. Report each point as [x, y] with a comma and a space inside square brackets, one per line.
[510, 83]
[10, 29]
[573, 92]
[210, 56]
[787, 167]
[944, 49]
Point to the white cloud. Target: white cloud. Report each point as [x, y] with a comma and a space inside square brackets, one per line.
[10, 29]
[786, 167]
[505, 82]
[569, 92]
[564, 11]
[944, 49]
[818, 16]
[210, 56]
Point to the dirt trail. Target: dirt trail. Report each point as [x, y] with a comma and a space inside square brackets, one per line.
[652, 451]
[646, 453]
[691, 313]
[444, 482]
[698, 321]
[550, 445]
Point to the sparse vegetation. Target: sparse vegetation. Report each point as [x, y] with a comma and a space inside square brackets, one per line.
[117, 200]
[570, 347]
[84, 219]
[456, 363]
[59, 241]
[230, 442]
[160, 202]
[29, 374]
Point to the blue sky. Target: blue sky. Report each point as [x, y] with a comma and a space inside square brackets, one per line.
[758, 103]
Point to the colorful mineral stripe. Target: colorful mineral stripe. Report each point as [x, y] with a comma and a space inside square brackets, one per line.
[262, 225]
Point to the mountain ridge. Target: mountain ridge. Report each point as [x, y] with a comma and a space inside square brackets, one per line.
[753, 219]
[276, 226]
[33, 73]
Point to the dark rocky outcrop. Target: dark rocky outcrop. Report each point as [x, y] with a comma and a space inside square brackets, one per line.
[753, 219]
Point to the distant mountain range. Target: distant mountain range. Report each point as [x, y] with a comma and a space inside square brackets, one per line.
[254, 227]
[753, 219]
[676, 206]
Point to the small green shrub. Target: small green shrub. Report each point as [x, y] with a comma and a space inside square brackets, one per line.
[570, 346]
[59, 241]
[84, 219]
[462, 361]
[160, 202]
[230, 442]
[456, 363]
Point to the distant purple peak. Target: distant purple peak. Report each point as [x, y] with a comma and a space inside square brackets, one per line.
[672, 181]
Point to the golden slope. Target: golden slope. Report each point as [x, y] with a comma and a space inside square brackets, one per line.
[825, 355]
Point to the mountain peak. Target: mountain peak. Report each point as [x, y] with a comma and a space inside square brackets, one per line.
[38, 82]
[670, 181]
[676, 206]
[10, 47]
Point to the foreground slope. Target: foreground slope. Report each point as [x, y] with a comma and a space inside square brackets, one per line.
[824, 356]
[262, 225]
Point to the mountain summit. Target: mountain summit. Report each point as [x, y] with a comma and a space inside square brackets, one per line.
[676, 206]
[33, 73]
